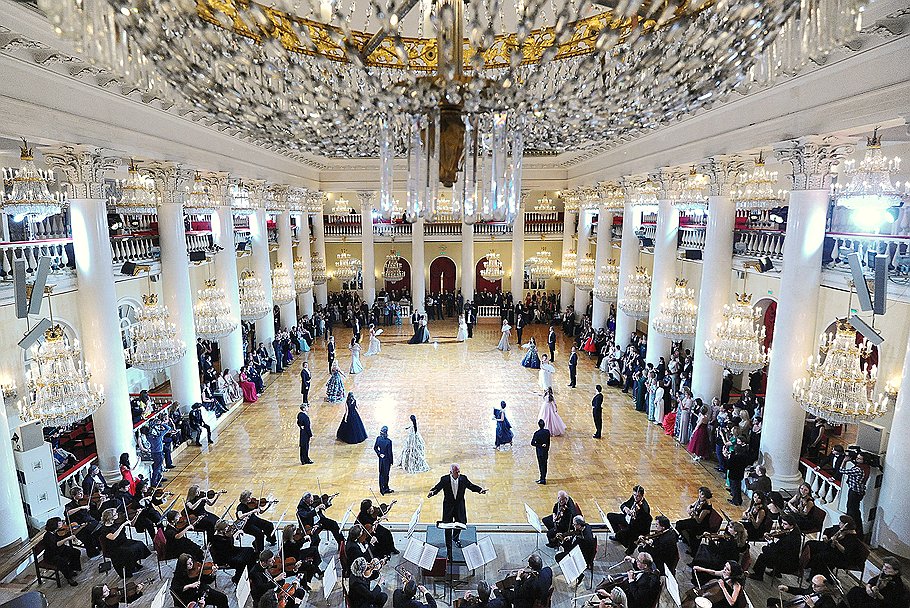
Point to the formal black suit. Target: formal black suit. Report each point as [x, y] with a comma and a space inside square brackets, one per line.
[541, 441]
[644, 591]
[565, 520]
[400, 601]
[305, 378]
[361, 595]
[356, 328]
[573, 367]
[303, 423]
[383, 449]
[531, 589]
[665, 550]
[470, 318]
[627, 533]
[551, 342]
[519, 323]
[453, 505]
[585, 539]
[597, 410]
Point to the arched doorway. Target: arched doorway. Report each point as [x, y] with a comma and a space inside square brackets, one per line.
[483, 285]
[404, 284]
[442, 275]
[768, 308]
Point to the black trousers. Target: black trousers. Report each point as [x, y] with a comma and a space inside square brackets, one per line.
[304, 450]
[598, 422]
[470, 330]
[197, 433]
[520, 330]
[305, 394]
[384, 468]
[552, 353]
[259, 529]
[572, 374]
[853, 510]
[542, 456]
[68, 560]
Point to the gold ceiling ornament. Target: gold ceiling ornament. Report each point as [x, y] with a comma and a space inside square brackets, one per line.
[29, 195]
[678, 313]
[283, 291]
[212, 312]
[636, 295]
[253, 305]
[154, 345]
[739, 343]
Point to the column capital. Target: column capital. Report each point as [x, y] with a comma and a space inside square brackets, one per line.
[83, 168]
[276, 198]
[811, 159]
[667, 182]
[722, 172]
[366, 200]
[219, 184]
[170, 179]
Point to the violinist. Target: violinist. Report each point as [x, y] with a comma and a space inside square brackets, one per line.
[196, 503]
[717, 549]
[581, 536]
[801, 505]
[250, 508]
[302, 545]
[564, 510]
[727, 590]
[118, 497]
[361, 594]
[192, 583]
[79, 511]
[146, 502]
[819, 595]
[177, 543]
[359, 544]
[406, 597]
[94, 481]
[757, 518]
[268, 574]
[532, 585]
[59, 551]
[312, 508]
[633, 521]
[125, 554]
[228, 555]
[887, 590]
[698, 522]
[370, 517]
[839, 547]
[482, 599]
[782, 553]
[641, 584]
[104, 596]
[662, 544]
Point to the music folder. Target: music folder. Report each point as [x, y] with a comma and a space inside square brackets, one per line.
[420, 553]
[672, 586]
[479, 554]
[573, 564]
[414, 519]
[451, 525]
[329, 578]
[533, 519]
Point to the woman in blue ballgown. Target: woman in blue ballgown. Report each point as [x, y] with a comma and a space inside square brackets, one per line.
[351, 429]
[503, 428]
[334, 389]
[531, 359]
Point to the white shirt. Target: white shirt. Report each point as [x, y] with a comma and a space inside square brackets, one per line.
[454, 481]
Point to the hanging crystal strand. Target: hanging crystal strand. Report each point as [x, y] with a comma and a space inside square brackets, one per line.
[515, 167]
[433, 171]
[386, 162]
[471, 161]
[414, 157]
[486, 179]
[498, 171]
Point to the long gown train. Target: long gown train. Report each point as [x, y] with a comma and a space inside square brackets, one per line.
[413, 457]
[551, 420]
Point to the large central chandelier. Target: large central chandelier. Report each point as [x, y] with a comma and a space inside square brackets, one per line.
[756, 190]
[587, 269]
[283, 291]
[870, 186]
[636, 295]
[59, 385]
[569, 266]
[253, 304]
[341, 206]
[493, 269]
[837, 388]
[155, 344]
[29, 196]
[198, 199]
[318, 269]
[345, 267]
[212, 313]
[137, 194]
[545, 205]
[678, 313]
[303, 279]
[540, 267]
[392, 270]
[740, 339]
[607, 287]
[691, 195]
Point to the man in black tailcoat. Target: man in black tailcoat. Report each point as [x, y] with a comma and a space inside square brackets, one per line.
[453, 487]
[303, 423]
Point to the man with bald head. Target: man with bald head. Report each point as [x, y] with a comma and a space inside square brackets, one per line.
[453, 487]
[820, 593]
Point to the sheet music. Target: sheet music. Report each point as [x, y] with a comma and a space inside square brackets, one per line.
[603, 517]
[347, 516]
[413, 551]
[414, 519]
[533, 519]
[451, 525]
[473, 556]
[329, 579]
[428, 556]
[487, 549]
[161, 597]
[569, 565]
[672, 586]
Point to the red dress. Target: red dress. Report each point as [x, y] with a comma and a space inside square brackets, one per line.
[589, 345]
[127, 474]
[669, 423]
[698, 443]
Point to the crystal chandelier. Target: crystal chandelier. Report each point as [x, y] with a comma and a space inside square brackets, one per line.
[492, 269]
[242, 202]
[212, 313]
[612, 197]
[29, 196]
[607, 286]
[545, 205]
[678, 313]
[587, 269]
[645, 194]
[636, 295]
[155, 344]
[303, 280]
[755, 190]
[198, 200]
[253, 304]
[540, 267]
[444, 208]
[589, 198]
[568, 268]
[59, 391]
[345, 269]
[283, 290]
[870, 184]
[837, 388]
[571, 201]
[740, 342]
[392, 270]
[137, 194]
[691, 195]
[313, 202]
[341, 206]
[318, 269]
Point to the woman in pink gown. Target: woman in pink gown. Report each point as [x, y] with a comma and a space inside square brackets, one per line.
[551, 420]
[699, 444]
[247, 387]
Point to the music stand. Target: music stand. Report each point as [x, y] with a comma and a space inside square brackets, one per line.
[329, 578]
[243, 588]
[414, 519]
[673, 585]
[347, 515]
[606, 522]
[573, 565]
[479, 554]
[534, 522]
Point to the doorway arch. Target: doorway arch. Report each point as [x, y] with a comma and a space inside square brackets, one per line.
[768, 309]
[481, 283]
[442, 275]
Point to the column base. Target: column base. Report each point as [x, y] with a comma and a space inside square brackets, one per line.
[786, 482]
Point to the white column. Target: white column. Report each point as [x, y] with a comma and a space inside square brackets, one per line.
[11, 512]
[584, 244]
[231, 346]
[567, 289]
[892, 528]
[262, 266]
[321, 291]
[368, 252]
[629, 254]
[467, 261]
[286, 258]
[795, 327]
[518, 252]
[663, 274]
[603, 252]
[175, 279]
[717, 262]
[303, 254]
[418, 266]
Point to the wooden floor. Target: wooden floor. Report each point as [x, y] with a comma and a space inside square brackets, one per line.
[452, 388]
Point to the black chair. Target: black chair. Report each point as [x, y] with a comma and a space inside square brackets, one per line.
[45, 565]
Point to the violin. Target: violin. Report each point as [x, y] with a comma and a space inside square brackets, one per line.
[261, 503]
[326, 499]
[68, 530]
[211, 494]
[289, 566]
[201, 569]
[374, 566]
[133, 592]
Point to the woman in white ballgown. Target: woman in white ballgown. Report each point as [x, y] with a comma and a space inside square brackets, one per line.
[551, 420]
[375, 345]
[462, 334]
[413, 457]
[545, 375]
[506, 332]
[356, 365]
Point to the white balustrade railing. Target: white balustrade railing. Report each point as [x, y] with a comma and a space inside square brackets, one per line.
[649, 231]
[54, 227]
[492, 229]
[135, 249]
[489, 312]
[342, 225]
[692, 238]
[759, 243]
[825, 489]
[534, 216]
[391, 230]
[199, 242]
[74, 478]
[868, 246]
[442, 229]
[31, 252]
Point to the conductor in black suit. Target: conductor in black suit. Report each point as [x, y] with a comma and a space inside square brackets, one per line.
[383, 449]
[303, 423]
[597, 410]
[453, 487]
[305, 378]
[541, 441]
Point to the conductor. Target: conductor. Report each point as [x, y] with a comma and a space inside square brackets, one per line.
[453, 487]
